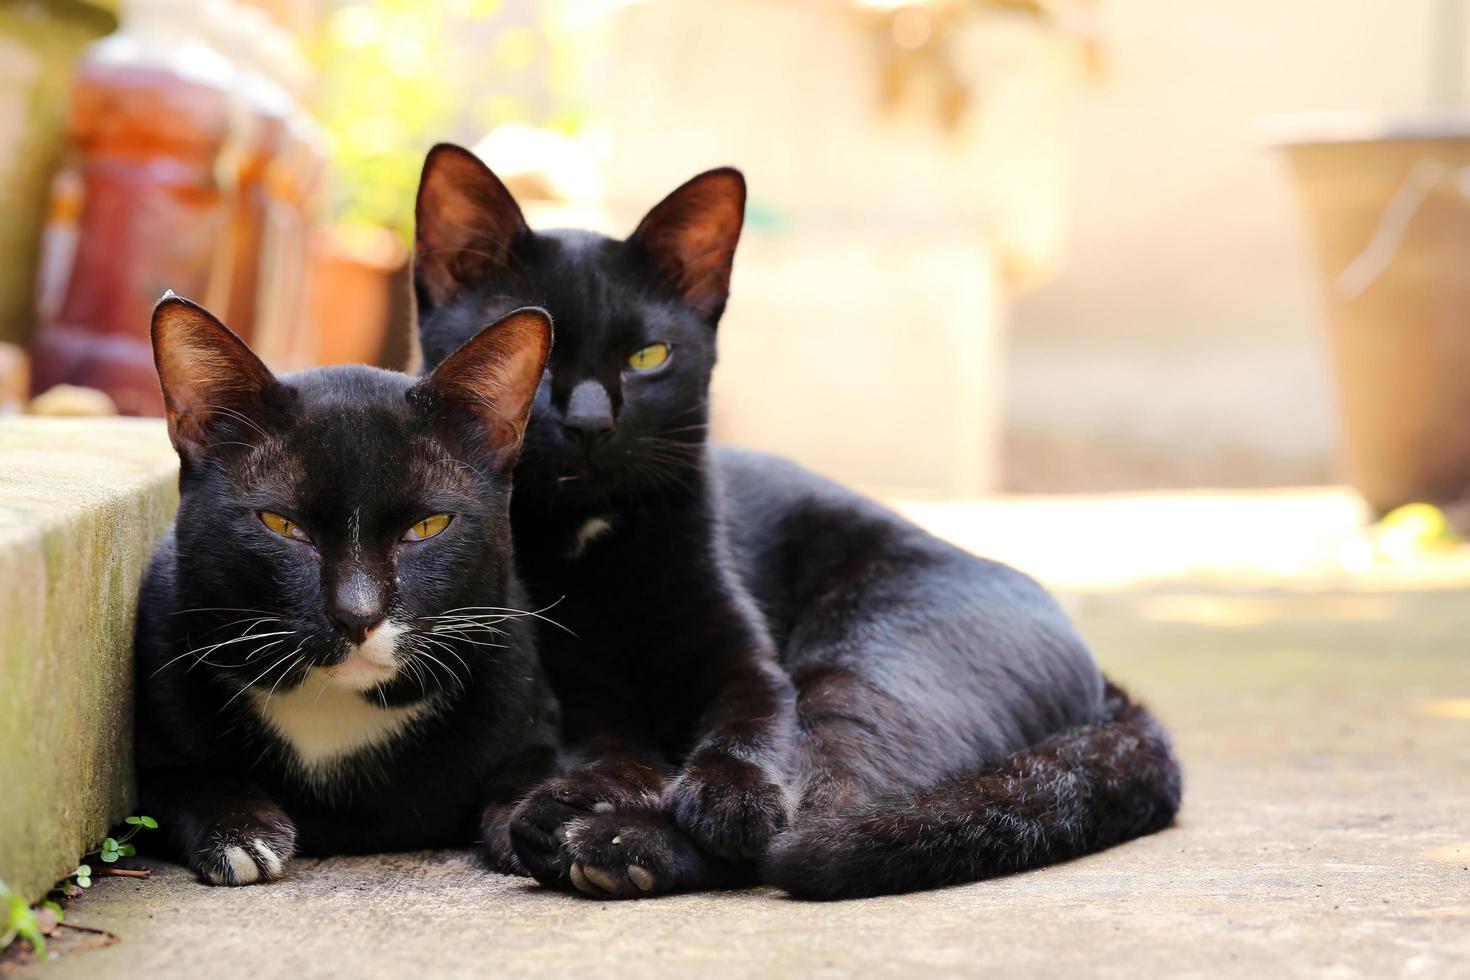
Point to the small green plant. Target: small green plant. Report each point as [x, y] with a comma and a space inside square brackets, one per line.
[20, 921]
[112, 848]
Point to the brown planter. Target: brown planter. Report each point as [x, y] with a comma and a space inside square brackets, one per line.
[1388, 207]
[351, 295]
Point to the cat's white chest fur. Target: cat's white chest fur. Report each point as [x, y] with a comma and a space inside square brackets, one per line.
[589, 532]
[327, 723]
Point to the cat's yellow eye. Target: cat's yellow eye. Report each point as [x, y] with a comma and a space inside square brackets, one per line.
[428, 527]
[650, 357]
[283, 526]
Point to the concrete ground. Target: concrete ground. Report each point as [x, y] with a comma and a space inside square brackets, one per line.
[1324, 723]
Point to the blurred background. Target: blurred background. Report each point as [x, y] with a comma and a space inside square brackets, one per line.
[992, 245]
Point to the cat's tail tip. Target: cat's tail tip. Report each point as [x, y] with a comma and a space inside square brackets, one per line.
[1077, 792]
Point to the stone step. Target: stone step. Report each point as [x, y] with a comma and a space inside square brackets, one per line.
[82, 503]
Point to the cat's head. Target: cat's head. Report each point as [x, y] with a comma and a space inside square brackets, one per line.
[624, 405]
[327, 517]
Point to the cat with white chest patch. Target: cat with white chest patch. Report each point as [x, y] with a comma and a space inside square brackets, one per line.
[333, 650]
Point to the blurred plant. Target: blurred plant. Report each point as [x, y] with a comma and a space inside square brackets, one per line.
[401, 75]
[18, 920]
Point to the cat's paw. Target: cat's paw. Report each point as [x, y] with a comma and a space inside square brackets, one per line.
[730, 807]
[495, 832]
[246, 849]
[538, 826]
[638, 854]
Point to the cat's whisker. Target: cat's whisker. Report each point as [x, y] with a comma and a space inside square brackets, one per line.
[460, 637]
[507, 612]
[287, 672]
[660, 474]
[206, 650]
[252, 624]
[463, 631]
[481, 623]
[437, 638]
[258, 652]
[453, 676]
[418, 672]
[478, 622]
[204, 609]
[201, 653]
[489, 621]
[252, 683]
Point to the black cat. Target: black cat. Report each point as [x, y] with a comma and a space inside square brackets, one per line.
[671, 694]
[331, 653]
[951, 723]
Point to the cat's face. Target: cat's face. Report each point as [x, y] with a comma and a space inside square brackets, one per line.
[624, 403]
[342, 519]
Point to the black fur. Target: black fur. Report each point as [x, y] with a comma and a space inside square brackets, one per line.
[950, 722]
[1075, 792]
[672, 698]
[233, 614]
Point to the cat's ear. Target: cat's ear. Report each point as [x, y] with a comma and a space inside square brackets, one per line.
[491, 380]
[466, 225]
[691, 237]
[207, 374]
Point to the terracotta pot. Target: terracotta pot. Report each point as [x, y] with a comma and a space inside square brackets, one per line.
[1388, 206]
[351, 295]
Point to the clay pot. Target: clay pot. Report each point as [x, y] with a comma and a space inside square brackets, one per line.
[351, 295]
[1388, 207]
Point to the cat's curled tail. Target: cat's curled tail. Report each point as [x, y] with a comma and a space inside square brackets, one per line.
[1078, 791]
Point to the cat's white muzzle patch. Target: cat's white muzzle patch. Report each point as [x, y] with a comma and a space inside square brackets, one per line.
[371, 662]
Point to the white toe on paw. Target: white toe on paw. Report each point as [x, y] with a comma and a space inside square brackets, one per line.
[602, 806]
[268, 858]
[242, 866]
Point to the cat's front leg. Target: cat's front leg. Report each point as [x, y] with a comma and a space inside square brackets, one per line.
[617, 778]
[502, 793]
[228, 831]
[732, 795]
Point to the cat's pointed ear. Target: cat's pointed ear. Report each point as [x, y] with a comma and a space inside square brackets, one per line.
[491, 380]
[209, 377]
[466, 225]
[691, 237]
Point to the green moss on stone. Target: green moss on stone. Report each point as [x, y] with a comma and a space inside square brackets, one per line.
[82, 504]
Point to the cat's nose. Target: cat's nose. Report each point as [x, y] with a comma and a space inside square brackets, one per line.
[355, 608]
[589, 414]
[356, 626]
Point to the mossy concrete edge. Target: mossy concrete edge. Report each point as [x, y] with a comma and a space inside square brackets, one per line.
[82, 505]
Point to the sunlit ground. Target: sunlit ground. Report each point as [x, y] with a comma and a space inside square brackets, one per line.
[1297, 539]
